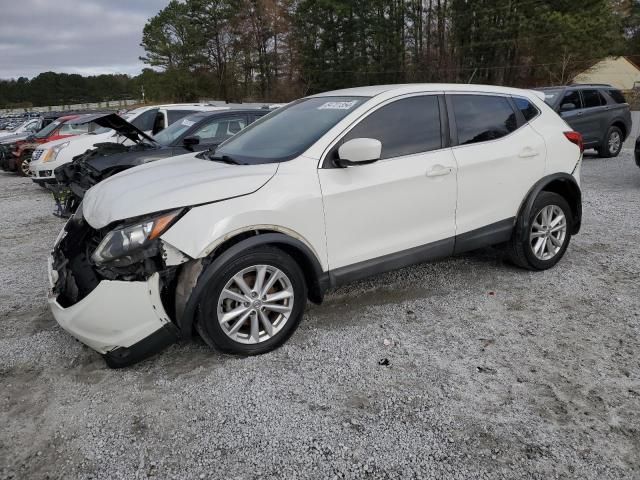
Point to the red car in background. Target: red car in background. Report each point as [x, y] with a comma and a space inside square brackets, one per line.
[54, 131]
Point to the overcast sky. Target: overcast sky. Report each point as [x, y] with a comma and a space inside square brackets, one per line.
[73, 36]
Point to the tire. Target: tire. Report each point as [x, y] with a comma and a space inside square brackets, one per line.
[250, 323]
[23, 164]
[523, 253]
[612, 144]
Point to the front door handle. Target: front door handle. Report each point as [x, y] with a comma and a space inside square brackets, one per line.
[528, 153]
[439, 171]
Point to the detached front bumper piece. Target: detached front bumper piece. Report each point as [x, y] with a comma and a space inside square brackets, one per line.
[124, 321]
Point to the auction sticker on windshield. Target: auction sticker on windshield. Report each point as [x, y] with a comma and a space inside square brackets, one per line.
[188, 123]
[338, 105]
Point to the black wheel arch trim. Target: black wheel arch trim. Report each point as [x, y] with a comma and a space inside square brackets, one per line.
[317, 279]
[522, 221]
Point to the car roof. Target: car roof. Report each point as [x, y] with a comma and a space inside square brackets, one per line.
[374, 90]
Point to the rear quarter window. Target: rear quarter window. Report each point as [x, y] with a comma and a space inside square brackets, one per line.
[529, 111]
[617, 96]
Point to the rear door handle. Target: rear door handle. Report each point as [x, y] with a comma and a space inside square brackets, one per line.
[528, 153]
[439, 171]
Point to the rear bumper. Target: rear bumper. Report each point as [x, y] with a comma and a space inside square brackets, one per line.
[119, 319]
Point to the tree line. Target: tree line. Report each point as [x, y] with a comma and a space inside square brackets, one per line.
[277, 50]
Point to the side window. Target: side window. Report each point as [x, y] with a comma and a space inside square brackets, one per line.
[528, 110]
[175, 115]
[592, 98]
[572, 97]
[220, 129]
[405, 127]
[146, 120]
[617, 96]
[480, 118]
[73, 129]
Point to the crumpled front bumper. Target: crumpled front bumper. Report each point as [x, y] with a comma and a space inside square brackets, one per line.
[125, 321]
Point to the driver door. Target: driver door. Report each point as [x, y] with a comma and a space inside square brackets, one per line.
[401, 209]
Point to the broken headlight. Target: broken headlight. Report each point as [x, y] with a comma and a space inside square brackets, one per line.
[125, 240]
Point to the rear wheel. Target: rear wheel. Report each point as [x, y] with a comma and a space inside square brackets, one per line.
[548, 235]
[255, 303]
[612, 144]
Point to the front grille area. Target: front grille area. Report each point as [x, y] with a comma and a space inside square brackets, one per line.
[44, 173]
[36, 155]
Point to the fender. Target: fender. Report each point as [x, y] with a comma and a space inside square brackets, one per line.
[522, 222]
[317, 280]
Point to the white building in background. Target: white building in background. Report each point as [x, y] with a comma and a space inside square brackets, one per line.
[621, 72]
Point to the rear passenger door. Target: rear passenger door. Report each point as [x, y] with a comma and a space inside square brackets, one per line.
[499, 156]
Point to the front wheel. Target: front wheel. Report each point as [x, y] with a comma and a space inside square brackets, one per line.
[612, 144]
[24, 165]
[254, 304]
[548, 235]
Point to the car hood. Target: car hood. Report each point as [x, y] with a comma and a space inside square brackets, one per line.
[175, 182]
[13, 138]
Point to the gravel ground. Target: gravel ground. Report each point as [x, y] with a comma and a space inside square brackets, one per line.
[493, 372]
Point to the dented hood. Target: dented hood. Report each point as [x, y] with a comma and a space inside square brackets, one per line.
[175, 182]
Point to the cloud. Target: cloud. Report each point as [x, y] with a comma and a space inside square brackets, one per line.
[74, 36]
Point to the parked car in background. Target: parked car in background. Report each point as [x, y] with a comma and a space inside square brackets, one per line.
[637, 151]
[30, 125]
[195, 132]
[151, 120]
[327, 190]
[9, 144]
[599, 112]
[59, 129]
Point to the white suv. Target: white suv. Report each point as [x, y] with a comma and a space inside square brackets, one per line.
[329, 189]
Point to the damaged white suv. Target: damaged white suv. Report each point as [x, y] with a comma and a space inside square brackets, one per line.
[327, 190]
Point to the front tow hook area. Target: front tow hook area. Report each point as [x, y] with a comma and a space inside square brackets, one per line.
[159, 340]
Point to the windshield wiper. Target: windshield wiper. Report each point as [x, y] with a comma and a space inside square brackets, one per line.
[223, 158]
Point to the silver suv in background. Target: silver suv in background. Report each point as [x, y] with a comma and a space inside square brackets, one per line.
[599, 112]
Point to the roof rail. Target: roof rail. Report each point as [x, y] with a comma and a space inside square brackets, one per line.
[591, 85]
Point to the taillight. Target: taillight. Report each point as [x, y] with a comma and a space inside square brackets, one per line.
[575, 137]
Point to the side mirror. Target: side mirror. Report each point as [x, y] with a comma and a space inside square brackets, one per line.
[567, 107]
[359, 151]
[191, 142]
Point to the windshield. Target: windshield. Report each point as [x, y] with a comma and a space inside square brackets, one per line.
[170, 134]
[46, 131]
[551, 95]
[289, 131]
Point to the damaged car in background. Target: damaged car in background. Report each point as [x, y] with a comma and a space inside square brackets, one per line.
[196, 132]
[330, 189]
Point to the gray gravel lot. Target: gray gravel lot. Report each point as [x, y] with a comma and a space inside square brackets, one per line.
[493, 372]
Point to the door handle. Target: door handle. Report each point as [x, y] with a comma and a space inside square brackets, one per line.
[528, 153]
[439, 171]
